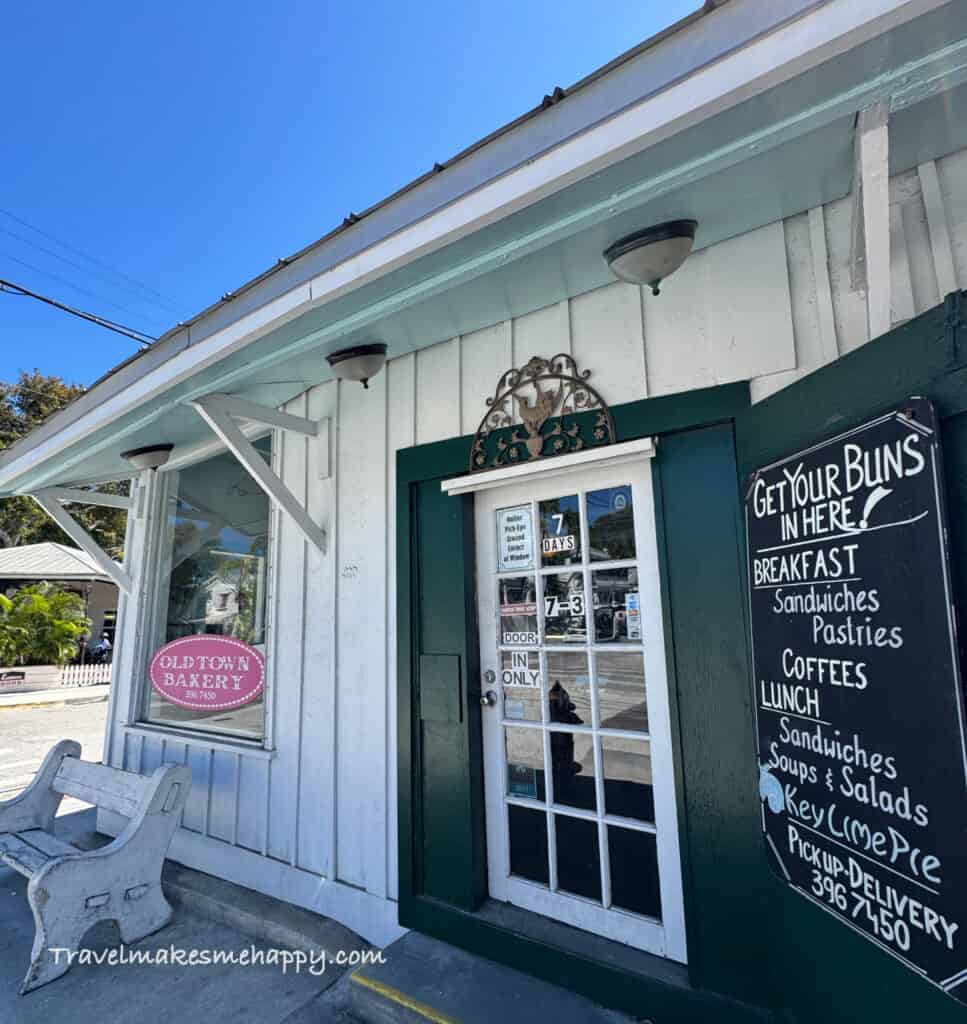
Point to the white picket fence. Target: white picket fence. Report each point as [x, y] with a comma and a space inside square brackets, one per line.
[85, 675]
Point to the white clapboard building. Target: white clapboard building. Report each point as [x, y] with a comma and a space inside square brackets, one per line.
[500, 592]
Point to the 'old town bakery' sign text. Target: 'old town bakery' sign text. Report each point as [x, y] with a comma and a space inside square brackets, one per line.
[859, 708]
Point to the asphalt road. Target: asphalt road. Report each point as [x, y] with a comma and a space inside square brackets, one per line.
[27, 733]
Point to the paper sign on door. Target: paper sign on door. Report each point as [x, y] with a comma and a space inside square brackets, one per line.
[515, 538]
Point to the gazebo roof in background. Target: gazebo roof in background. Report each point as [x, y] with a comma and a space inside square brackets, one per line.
[49, 561]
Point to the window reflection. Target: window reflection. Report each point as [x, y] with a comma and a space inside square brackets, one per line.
[627, 778]
[560, 531]
[578, 866]
[564, 608]
[621, 691]
[572, 757]
[517, 602]
[633, 857]
[528, 843]
[213, 576]
[525, 763]
[569, 687]
[617, 607]
[611, 526]
[520, 677]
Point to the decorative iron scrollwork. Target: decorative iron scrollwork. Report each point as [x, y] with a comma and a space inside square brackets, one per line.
[545, 408]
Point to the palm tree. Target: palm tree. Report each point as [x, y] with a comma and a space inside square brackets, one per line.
[40, 625]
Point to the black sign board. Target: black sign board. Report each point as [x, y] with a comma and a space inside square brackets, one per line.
[859, 709]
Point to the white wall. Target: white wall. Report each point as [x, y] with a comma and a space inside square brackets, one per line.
[766, 307]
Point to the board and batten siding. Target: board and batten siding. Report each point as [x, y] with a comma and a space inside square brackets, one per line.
[767, 307]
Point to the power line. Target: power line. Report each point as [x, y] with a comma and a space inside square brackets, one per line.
[140, 337]
[79, 288]
[179, 306]
[88, 270]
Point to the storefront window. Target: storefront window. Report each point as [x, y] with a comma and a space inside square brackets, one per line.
[212, 579]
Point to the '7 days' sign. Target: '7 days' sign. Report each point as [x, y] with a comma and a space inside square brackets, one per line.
[859, 709]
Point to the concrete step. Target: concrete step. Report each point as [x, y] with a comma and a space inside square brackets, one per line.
[262, 917]
[423, 980]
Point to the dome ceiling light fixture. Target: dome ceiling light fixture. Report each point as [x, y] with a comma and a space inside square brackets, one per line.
[150, 457]
[647, 257]
[361, 362]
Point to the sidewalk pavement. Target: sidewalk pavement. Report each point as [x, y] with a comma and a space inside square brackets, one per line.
[143, 993]
[59, 695]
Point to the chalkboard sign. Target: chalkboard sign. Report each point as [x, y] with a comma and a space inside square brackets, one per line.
[859, 708]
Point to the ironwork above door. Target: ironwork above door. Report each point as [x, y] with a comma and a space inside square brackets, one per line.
[544, 408]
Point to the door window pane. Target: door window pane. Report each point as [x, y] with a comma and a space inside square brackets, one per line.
[517, 604]
[564, 608]
[528, 843]
[617, 609]
[627, 778]
[572, 761]
[578, 866]
[633, 857]
[568, 688]
[560, 531]
[213, 578]
[621, 691]
[520, 677]
[525, 763]
[611, 525]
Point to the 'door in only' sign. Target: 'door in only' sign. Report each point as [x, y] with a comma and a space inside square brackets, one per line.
[207, 672]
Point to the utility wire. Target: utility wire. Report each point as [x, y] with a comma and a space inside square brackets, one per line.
[177, 307]
[142, 339]
[78, 288]
[92, 272]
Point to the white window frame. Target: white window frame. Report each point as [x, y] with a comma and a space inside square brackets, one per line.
[155, 535]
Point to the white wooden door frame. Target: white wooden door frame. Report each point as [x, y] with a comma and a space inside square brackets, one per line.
[667, 937]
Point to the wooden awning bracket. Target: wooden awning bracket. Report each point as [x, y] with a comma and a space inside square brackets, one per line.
[50, 498]
[220, 412]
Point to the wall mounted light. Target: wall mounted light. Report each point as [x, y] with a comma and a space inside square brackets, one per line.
[648, 257]
[361, 362]
[150, 457]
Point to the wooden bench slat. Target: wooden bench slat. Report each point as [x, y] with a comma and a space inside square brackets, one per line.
[110, 788]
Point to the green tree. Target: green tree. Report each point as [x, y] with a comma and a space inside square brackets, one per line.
[24, 405]
[40, 624]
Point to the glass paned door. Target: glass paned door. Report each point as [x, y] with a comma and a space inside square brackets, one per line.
[581, 819]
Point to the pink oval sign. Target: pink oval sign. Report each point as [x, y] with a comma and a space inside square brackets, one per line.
[208, 672]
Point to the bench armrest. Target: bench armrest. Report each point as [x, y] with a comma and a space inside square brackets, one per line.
[136, 855]
[37, 805]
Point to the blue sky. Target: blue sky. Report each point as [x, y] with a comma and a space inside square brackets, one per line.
[187, 146]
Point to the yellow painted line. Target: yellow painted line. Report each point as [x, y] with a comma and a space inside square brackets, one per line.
[402, 999]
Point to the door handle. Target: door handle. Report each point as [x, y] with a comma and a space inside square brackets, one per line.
[488, 699]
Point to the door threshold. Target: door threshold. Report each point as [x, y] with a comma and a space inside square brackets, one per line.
[581, 943]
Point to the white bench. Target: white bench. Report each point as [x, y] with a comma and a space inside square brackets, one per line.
[71, 890]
